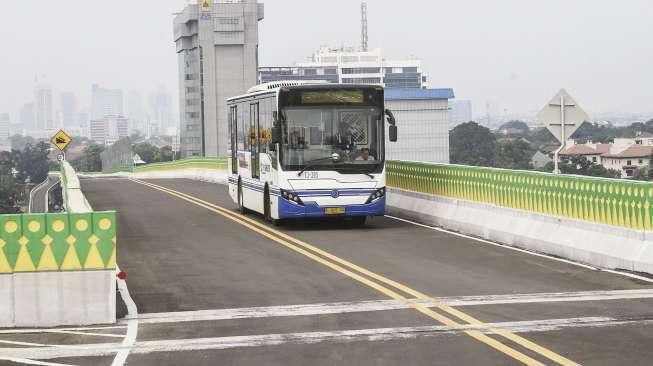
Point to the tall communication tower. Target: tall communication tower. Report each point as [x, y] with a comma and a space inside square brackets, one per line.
[364, 26]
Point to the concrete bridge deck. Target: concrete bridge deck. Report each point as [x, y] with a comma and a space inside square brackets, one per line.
[212, 287]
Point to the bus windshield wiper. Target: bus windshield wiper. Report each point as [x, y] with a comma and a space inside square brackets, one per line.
[311, 164]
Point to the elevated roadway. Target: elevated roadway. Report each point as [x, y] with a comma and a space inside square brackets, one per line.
[214, 287]
[38, 197]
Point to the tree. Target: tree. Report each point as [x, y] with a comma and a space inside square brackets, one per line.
[642, 174]
[148, 152]
[471, 144]
[90, 160]
[579, 165]
[166, 153]
[8, 187]
[32, 162]
[514, 154]
[18, 142]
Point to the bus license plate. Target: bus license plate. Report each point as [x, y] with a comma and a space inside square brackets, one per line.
[334, 210]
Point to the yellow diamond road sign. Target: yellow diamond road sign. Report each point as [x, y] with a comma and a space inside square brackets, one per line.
[61, 140]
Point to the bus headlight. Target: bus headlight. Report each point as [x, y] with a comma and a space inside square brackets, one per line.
[376, 195]
[290, 196]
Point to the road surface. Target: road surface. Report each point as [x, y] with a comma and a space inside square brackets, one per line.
[38, 202]
[212, 287]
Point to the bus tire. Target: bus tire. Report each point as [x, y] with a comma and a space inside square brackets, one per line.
[267, 211]
[241, 202]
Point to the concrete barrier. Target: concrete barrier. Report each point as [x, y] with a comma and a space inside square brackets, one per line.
[58, 269]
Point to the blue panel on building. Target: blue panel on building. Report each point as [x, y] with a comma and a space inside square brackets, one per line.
[418, 94]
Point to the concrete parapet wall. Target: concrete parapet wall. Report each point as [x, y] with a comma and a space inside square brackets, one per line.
[596, 244]
[74, 200]
[48, 299]
[58, 269]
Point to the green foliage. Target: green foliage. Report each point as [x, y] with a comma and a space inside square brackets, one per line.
[152, 154]
[579, 165]
[8, 188]
[514, 154]
[605, 134]
[642, 173]
[166, 153]
[148, 152]
[18, 142]
[90, 161]
[471, 144]
[32, 162]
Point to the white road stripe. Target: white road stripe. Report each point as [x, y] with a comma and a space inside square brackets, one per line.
[50, 330]
[377, 334]
[110, 335]
[382, 305]
[132, 323]
[32, 362]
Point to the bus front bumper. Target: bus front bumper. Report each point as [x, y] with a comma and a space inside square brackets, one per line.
[288, 210]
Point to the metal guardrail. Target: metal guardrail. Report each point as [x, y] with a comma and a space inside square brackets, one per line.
[608, 201]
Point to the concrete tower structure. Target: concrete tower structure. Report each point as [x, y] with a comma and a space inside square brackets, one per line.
[217, 47]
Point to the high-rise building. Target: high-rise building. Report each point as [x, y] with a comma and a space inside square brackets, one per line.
[136, 112]
[160, 111]
[43, 112]
[109, 129]
[5, 123]
[68, 102]
[105, 102]
[351, 66]
[460, 111]
[27, 116]
[217, 47]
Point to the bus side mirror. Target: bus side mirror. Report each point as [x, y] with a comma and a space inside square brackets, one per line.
[393, 133]
[276, 135]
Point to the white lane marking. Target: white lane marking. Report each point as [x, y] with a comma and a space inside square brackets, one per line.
[132, 323]
[48, 330]
[435, 228]
[32, 362]
[376, 334]
[382, 305]
[110, 335]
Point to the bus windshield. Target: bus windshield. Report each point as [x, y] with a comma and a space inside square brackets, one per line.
[340, 138]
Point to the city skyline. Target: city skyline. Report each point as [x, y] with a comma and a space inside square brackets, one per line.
[519, 60]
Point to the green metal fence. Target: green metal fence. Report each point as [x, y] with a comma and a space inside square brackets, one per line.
[609, 201]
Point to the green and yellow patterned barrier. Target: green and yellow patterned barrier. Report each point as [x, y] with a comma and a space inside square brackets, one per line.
[608, 201]
[57, 242]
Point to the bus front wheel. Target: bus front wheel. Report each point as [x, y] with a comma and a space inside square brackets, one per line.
[267, 209]
[241, 202]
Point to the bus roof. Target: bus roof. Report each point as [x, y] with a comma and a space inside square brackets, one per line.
[274, 87]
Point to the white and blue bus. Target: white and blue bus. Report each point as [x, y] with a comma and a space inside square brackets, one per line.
[309, 150]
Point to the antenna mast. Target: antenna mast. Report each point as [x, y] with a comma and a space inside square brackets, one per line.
[364, 26]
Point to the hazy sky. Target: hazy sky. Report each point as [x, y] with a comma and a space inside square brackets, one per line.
[514, 52]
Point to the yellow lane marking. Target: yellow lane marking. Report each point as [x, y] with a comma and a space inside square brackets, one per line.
[280, 236]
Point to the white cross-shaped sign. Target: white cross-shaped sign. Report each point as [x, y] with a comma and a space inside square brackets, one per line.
[562, 116]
